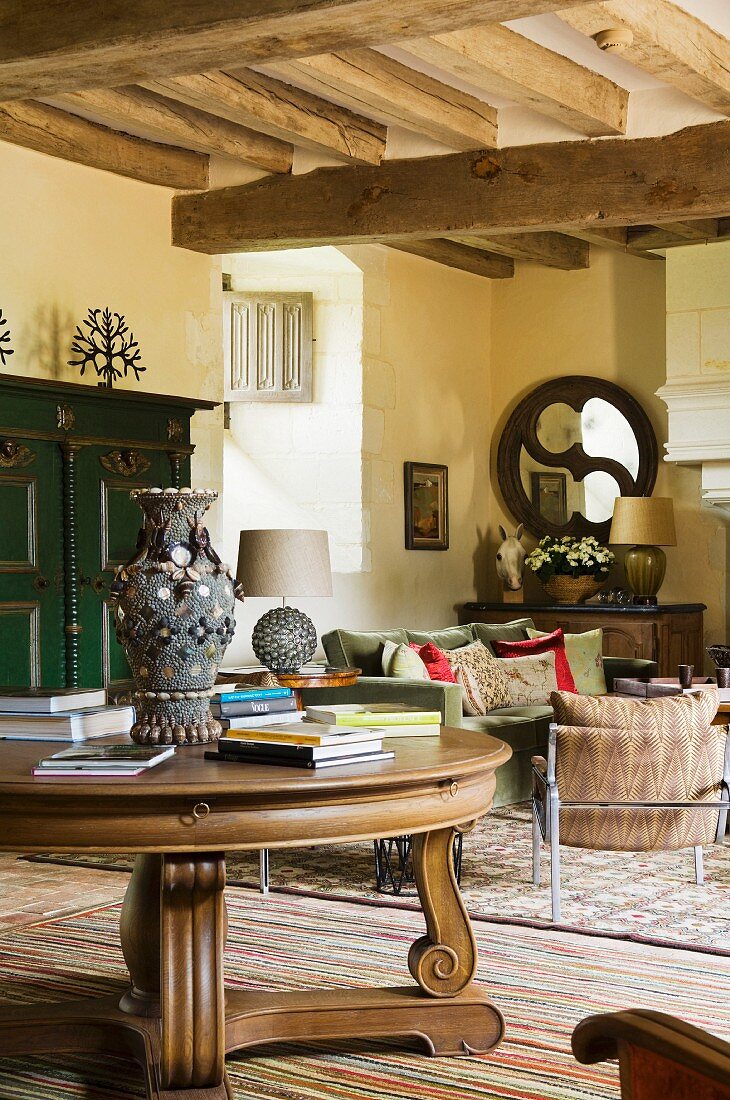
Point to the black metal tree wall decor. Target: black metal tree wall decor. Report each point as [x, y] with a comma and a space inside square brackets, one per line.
[108, 346]
[5, 349]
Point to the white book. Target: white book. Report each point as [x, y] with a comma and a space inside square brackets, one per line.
[254, 721]
[49, 700]
[77, 725]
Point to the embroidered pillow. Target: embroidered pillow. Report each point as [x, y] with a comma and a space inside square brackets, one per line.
[585, 657]
[543, 643]
[483, 687]
[530, 680]
[400, 662]
[437, 667]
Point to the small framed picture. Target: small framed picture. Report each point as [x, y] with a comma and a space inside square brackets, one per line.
[427, 505]
[550, 496]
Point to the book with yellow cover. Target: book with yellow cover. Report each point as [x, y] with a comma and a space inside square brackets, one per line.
[374, 714]
[306, 733]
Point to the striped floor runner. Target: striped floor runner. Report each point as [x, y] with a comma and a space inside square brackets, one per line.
[543, 981]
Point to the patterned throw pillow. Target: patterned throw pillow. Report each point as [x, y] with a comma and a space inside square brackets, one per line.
[437, 667]
[483, 686]
[543, 643]
[530, 680]
[400, 662]
[585, 656]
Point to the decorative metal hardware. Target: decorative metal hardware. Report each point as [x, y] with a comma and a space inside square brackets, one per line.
[394, 863]
[14, 455]
[108, 346]
[174, 430]
[97, 583]
[65, 417]
[41, 583]
[125, 463]
[5, 349]
[201, 810]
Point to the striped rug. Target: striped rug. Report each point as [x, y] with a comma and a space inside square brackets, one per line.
[543, 981]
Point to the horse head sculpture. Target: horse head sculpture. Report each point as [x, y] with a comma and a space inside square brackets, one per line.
[511, 559]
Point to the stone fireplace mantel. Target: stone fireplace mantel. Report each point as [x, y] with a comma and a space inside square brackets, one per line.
[699, 432]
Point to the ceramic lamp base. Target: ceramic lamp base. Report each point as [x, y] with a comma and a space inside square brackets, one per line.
[645, 567]
[284, 639]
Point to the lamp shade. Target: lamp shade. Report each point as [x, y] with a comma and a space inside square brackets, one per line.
[643, 521]
[284, 563]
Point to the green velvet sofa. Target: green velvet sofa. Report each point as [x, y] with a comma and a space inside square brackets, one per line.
[525, 729]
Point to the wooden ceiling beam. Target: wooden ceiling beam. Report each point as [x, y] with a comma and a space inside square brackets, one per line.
[171, 120]
[668, 42]
[365, 80]
[501, 62]
[47, 49]
[59, 134]
[615, 237]
[563, 185]
[474, 260]
[281, 111]
[703, 229]
[548, 249]
[674, 234]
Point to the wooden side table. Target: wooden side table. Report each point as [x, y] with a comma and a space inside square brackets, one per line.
[311, 676]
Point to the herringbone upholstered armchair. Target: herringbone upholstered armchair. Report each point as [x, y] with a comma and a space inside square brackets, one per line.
[624, 775]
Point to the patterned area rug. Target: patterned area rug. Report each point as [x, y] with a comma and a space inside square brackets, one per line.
[649, 895]
[544, 982]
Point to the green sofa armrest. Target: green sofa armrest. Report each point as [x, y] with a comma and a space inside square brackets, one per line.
[615, 667]
[426, 694]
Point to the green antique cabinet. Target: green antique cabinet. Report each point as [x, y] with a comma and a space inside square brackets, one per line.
[69, 456]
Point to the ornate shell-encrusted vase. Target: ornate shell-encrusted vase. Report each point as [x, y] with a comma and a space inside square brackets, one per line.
[174, 617]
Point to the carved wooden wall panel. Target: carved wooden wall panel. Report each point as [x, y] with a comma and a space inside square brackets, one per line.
[268, 346]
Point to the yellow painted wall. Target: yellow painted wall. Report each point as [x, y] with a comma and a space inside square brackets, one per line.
[607, 321]
[73, 238]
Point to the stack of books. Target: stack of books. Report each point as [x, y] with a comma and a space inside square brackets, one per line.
[246, 708]
[395, 719]
[120, 761]
[307, 745]
[57, 714]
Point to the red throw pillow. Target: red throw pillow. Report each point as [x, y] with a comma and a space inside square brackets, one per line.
[545, 644]
[436, 662]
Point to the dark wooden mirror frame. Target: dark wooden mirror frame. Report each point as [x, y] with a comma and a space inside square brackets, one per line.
[521, 429]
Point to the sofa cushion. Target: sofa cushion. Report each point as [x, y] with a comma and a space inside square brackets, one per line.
[402, 662]
[584, 653]
[544, 643]
[480, 676]
[516, 630]
[435, 661]
[530, 680]
[360, 648]
[521, 734]
[450, 637]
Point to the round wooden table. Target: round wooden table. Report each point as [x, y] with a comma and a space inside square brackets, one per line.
[175, 1017]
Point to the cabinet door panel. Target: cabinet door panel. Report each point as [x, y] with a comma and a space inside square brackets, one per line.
[107, 522]
[31, 557]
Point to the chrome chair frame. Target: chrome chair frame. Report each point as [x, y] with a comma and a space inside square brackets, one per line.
[546, 814]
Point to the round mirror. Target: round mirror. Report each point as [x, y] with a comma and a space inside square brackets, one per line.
[569, 449]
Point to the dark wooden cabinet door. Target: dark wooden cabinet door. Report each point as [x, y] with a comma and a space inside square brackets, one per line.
[31, 565]
[107, 525]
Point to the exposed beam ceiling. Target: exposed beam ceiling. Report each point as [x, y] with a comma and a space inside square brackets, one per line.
[501, 62]
[674, 234]
[549, 249]
[370, 81]
[164, 118]
[47, 48]
[283, 112]
[450, 254]
[607, 182]
[48, 130]
[668, 43]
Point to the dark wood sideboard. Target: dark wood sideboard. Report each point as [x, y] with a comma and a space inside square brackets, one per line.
[670, 634]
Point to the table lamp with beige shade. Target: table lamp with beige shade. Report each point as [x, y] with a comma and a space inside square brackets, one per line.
[645, 524]
[281, 563]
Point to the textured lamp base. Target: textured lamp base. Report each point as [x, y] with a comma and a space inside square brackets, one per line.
[645, 567]
[284, 639]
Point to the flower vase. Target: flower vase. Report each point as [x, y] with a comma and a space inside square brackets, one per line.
[173, 611]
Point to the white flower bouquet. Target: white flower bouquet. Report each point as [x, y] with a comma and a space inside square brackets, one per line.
[569, 557]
